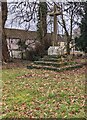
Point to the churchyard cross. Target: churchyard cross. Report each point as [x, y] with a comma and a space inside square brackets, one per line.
[55, 13]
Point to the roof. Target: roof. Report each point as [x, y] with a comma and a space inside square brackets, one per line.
[25, 35]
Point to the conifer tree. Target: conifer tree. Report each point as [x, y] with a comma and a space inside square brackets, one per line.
[82, 40]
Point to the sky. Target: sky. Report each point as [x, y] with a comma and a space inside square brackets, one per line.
[32, 24]
[15, 23]
[47, 0]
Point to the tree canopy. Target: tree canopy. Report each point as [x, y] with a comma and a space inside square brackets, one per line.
[82, 40]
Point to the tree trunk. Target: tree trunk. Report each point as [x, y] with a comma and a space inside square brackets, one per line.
[68, 46]
[42, 23]
[67, 35]
[0, 36]
[5, 52]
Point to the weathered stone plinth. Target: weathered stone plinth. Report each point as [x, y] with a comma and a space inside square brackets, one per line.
[53, 50]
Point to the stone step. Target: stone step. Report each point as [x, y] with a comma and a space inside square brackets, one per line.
[52, 56]
[55, 64]
[50, 59]
[69, 67]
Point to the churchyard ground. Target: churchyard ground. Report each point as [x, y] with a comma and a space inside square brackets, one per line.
[32, 93]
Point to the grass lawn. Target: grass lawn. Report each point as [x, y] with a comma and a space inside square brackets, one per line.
[43, 94]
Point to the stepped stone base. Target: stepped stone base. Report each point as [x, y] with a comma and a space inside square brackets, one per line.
[51, 63]
[55, 68]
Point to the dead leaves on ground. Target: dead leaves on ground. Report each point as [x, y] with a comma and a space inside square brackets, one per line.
[41, 93]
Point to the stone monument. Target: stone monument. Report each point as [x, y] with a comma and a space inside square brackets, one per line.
[53, 50]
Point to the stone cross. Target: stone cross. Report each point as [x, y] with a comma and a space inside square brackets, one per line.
[55, 13]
